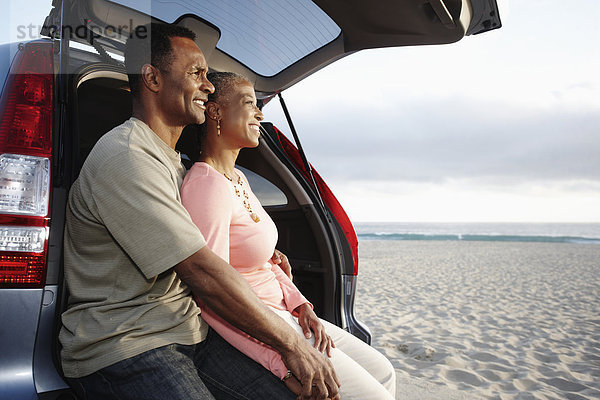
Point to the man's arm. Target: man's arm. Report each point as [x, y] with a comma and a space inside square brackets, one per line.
[224, 291]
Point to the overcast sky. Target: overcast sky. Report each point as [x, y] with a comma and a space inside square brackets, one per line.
[502, 126]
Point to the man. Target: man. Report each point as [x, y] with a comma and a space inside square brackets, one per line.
[131, 330]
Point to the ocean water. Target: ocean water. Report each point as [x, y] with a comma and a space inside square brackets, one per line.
[583, 233]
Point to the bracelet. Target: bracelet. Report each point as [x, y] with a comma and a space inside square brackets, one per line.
[288, 375]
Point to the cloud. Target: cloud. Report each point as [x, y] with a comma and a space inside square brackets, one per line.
[439, 140]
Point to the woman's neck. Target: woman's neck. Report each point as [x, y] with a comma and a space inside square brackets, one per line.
[223, 161]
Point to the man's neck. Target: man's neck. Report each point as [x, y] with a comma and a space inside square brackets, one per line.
[168, 134]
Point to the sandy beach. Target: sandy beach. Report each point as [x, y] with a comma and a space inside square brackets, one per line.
[491, 320]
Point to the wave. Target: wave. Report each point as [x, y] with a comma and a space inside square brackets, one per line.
[478, 238]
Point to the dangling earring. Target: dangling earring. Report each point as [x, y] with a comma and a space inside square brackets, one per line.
[218, 127]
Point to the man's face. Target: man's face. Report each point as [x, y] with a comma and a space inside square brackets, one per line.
[186, 88]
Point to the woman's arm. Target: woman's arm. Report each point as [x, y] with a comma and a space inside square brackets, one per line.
[292, 296]
[301, 308]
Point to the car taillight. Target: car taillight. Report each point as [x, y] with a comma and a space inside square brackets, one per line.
[326, 194]
[25, 166]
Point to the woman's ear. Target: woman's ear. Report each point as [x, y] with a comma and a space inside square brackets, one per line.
[213, 111]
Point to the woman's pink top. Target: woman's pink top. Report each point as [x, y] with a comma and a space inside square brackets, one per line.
[248, 246]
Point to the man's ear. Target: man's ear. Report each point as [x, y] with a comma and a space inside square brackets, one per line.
[213, 110]
[151, 77]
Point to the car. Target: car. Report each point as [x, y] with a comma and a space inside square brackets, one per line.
[64, 91]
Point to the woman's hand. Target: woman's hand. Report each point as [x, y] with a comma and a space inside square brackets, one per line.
[309, 321]
[280, 259]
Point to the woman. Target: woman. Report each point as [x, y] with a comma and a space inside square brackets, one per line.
[238, 229]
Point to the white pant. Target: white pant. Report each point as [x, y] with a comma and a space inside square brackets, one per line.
[364, 372]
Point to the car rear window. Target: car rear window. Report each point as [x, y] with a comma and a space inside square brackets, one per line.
[265, 35]
[265, 191]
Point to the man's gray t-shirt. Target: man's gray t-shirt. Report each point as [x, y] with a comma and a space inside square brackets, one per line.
[125, 231]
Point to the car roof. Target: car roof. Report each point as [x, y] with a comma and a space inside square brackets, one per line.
[276, 43]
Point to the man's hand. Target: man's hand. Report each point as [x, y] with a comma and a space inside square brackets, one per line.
[314, 371]
[309, 322]
[280, 259]
[293, 385]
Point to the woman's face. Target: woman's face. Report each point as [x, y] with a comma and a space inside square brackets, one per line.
[240, 122]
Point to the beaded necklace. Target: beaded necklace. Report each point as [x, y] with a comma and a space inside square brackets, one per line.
[244, 196]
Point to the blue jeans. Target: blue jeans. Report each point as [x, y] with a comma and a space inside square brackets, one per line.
[212, 369]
